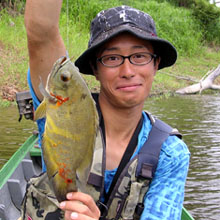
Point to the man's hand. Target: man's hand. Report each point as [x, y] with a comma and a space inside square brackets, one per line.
[80, 206]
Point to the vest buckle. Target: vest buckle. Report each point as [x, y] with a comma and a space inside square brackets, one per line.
[103, 209]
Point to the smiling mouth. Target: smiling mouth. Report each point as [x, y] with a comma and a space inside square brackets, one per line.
[128, 87]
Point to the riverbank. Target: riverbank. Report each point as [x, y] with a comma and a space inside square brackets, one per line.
[14, 60]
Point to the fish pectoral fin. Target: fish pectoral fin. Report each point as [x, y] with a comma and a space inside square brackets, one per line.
[40, 111]
[54, 174]
[46, 94]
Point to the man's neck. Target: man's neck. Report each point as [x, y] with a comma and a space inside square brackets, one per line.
[120, 124]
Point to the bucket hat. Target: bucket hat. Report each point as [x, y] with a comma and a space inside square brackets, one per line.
[111, 22]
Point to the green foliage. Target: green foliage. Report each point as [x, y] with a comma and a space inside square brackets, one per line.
[4, 103]
[12, 29]
[180, 3]
[83, 11]
[206, 14]
[187, 29]
[212, 33]
[13, 51]
[209, 17]
[177, 25]
[16, 5]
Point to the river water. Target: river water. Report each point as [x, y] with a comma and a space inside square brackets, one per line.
[196, 117]
[12, 132]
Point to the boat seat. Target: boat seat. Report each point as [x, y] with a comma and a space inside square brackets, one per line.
[17, 186]
[16, 193]
[28, 169]
[8, 211]
[18, 181]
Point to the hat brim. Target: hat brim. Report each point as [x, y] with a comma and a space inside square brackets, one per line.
[162, 48]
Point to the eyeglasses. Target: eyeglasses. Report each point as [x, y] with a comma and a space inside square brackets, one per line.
[139, 59]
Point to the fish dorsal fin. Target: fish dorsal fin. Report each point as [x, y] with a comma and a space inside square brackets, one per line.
[40, 111]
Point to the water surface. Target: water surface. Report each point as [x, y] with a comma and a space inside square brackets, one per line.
[198, 119]
[13, 133]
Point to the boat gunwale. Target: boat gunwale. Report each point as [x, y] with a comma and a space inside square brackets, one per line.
[8, 169]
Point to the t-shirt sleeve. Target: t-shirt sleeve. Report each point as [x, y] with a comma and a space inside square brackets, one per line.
[165, 197]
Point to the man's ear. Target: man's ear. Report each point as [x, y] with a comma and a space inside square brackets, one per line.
[94, 70]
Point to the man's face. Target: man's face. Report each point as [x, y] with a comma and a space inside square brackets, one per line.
[127, 85]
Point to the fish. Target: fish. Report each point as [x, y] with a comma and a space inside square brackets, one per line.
[70, 128]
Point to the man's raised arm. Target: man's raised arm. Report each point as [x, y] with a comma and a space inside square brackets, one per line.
[45, 44]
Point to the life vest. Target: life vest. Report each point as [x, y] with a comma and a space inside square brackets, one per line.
[127, 196]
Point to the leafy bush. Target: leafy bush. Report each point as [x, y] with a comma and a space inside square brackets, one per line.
[174, 24]
[15, 5]
[180, 3]
[83, 11]
[208, 15]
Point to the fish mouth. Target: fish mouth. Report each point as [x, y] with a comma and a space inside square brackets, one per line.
[60, 100]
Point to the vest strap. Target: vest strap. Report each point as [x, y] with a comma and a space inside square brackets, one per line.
[146, 171]
[95, 180]
[149, 154]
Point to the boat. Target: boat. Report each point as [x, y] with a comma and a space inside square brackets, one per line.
[14, 175]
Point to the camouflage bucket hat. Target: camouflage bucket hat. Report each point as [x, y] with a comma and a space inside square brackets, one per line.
[111, 22]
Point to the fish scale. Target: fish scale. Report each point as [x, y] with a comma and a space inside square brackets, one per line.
[70, 129]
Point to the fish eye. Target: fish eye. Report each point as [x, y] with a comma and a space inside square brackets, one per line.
[64, 77]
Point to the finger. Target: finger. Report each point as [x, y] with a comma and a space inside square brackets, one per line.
[76, 206]
[86, 199]
[78, 209]
[78, 216]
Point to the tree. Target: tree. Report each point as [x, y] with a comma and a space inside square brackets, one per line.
[207, 82]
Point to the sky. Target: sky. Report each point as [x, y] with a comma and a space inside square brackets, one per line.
[218, 4]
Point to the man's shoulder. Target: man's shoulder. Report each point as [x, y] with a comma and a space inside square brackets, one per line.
[173, 146]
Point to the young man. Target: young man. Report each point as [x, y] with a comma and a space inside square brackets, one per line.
[124, 55]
